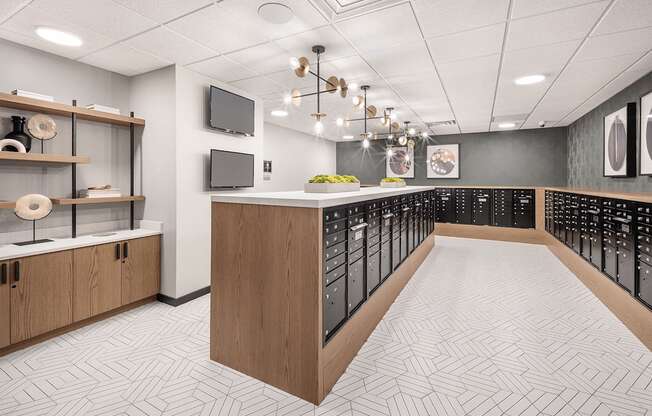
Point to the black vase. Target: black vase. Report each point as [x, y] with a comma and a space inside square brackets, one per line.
[19, 132]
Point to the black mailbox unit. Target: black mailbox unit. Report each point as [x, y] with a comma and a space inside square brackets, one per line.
[463, 205]
[625, 240]
[572, 209]
[549, 210]
[445, 205]
[502, 208]
[481, 207]
[363, 244]
[523, 208]
[644, 253]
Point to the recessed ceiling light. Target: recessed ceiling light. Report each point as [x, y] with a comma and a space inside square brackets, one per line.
[530, 79]
[347, 137]
[507, 125]
[57, 36]
[279, 113]
[276, 13]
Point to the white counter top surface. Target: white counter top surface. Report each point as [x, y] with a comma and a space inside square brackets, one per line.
[314, 200]
[11, 251]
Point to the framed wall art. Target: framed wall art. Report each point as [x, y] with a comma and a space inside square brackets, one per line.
[646, 134]
[443, 161]
[619, 143]
[400, 162]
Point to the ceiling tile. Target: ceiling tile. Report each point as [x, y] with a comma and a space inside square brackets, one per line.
[442, 17]
[9, 7]
[470, 86]
[548, 60]
[382, 29]
[171, 46]
[164, 10]
[468, 44]
[524, 8]
[219, 29]
[301, 44]
[626, 15]
[20, 28]
[633, 41]
[264, 59]
[222, 69]
[102, 16]
[400, 60]
[559, 26]
[124, 60]
[306, 17]
[259, 86]
[353, 69]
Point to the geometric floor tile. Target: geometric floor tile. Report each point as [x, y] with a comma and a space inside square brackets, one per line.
[483, 328]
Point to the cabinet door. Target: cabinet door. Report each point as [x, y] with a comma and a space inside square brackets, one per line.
[5, 306]
[97, 280]
[41, 294]
[141, 268]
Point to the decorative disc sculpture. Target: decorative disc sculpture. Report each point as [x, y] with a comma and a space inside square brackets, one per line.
[33, 207]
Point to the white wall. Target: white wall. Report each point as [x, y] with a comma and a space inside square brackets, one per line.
[295, 157]
[154, 95]
[193, 204]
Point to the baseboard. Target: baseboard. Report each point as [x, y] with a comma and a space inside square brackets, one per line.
[185, 298]
[488, 232]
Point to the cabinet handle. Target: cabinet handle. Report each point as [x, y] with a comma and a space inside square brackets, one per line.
[16, 271]
[3, 274]
[125, 250]
[117, 251]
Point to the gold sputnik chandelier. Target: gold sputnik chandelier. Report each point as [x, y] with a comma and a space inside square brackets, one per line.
[301, 67]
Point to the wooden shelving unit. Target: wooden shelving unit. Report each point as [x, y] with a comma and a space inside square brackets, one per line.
[96, 201]
[39, 158]
[75, 113]
[59, 109]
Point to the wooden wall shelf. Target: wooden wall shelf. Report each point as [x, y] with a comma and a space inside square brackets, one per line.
[7, 204]
[92, 201]
[40, 106]
[42, 158]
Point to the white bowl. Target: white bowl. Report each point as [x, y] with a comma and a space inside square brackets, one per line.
[392, 184]
[326, 188]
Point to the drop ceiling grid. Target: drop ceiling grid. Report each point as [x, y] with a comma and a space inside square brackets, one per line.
[136, 36]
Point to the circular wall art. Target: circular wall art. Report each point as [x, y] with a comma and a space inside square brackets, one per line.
[443, 161]
[400, 162]
[33, 207]
[646, 134]
[617, 144]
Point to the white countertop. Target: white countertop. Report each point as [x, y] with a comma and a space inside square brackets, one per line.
[314, 200]
[11, 251]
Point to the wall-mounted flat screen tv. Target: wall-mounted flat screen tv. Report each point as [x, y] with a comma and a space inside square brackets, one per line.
[231, 113]
[231, 169]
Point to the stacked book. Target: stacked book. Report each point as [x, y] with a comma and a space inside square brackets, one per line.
[34, 95]
[100, 193]
[103, 108]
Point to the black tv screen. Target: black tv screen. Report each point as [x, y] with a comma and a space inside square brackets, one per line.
[231, 112]
[231, 169]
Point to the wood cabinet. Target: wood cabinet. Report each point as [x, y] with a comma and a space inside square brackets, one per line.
[97, 281]
[141, 268]
[41, 294]
[5, 305]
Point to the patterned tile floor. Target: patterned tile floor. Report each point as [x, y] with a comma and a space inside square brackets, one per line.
[484, 328]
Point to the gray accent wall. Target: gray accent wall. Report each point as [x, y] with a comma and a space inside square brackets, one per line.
[520, 157]
[585, 144]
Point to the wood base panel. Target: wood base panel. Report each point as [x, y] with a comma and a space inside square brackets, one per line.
[340, 351]
[487, 232]
[74, 326]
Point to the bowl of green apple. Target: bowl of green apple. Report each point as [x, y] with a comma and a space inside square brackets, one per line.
[332, 183]
[392, 183]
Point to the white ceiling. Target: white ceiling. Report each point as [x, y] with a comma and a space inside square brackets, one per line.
[433, 60]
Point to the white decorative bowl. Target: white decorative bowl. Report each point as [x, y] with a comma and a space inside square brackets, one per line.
[326, 188]
[392, 184]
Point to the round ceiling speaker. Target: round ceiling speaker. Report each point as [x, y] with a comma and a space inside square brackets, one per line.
[371, 111]
[344, 88]
[42, 127]
[276, 13]
[332, 84]
[303, 68]
[33, 207]
[296, 97]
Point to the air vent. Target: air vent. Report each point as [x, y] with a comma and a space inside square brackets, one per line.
[445, 123]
